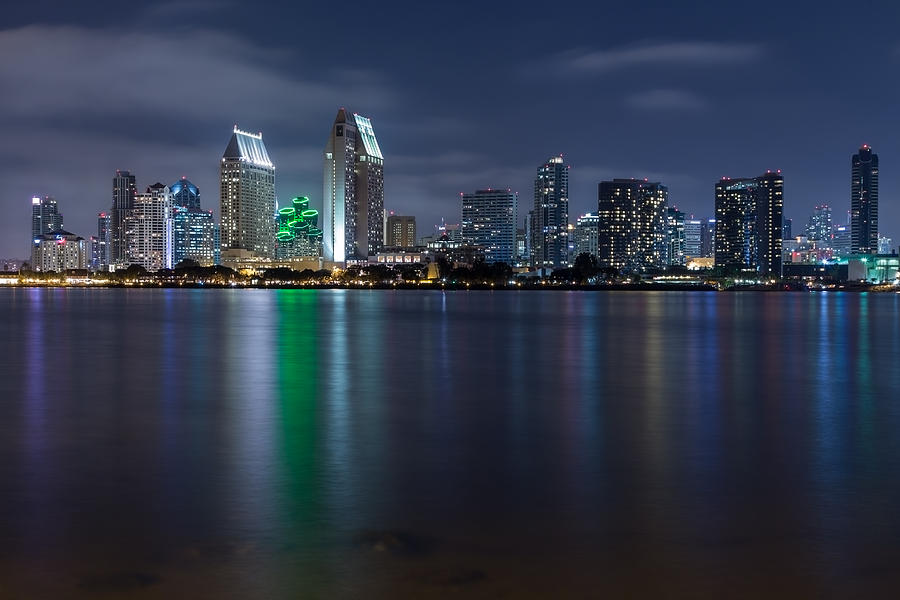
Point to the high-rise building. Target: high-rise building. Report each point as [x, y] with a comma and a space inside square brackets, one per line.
[124, 193]
[401, 231]
[586, 234]
[787, 229]
[864, 201]
[104, 241]
[632, 225]
[885, 245]
[45, 217]
[819, 226]
[841, 240]
[693, 238]
[551, 215]
[708, 239]
[247, 196]
[749, 225]
[489, 221]
[59, 251]
[353, 199]
[148, 229]
[675, 236]
[193, 229]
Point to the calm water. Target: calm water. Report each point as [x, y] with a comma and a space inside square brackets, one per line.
[283, 444]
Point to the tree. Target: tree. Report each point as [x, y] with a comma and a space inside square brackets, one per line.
[586, 267]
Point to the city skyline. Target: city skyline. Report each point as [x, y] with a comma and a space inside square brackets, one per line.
[808, 129]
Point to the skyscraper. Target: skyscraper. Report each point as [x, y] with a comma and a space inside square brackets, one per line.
[551, 215]
[632, 224]
[193, 229]
[247, 196]
[353, 190]
[101, 259]
[124, 193]
[749, 225]
[586, 234]
[489, 221]
[675, 236]
[401, 231]
[820, 226]
[693, 238]
[45, 217]
[864, 202]
[148, 229]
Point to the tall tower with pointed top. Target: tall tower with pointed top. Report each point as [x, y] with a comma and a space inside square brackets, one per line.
[353, 190]
[247, 195]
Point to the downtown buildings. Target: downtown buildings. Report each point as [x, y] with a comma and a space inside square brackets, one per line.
[194, 231]
[247, 197]
[749, 224]
[45, 217]
[124, 191]
[633, 225]
[353, 190]
[148, 229]
[400, 231]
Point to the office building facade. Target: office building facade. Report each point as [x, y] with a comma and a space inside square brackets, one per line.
[489, 221]
[353, 190]
[632, 225]
[247, 196]
[124, 193]
[550, 217]
[749, 223]
[864, 201]
[149, 229]
[586, 234]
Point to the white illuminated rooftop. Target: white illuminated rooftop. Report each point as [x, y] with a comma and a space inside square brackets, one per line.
[364, 125]
[248, 147]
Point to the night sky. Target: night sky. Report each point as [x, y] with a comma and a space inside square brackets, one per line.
[462, 96]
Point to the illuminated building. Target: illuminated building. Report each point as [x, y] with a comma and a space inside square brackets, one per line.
[401, 231]
[100, 259]
[787, 229]
[148, 229]
[632, 225]
[551, 215]
[247, 196]
[297, 231]
[864, 202]
[708, 239]
[841, 240]
[819, 226]
[885, 245]
[353, 190]
[489, 221]
[59, 251]
[193, 229]
[587, 235]
[45, 217]
[124, 193]
[749, 225]
[675, 236]
[693, 238]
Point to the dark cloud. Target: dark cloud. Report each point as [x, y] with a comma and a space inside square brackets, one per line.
[680, 100]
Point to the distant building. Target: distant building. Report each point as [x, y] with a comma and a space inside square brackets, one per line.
[675, 235]
[45, 217]
[353, 198]
[708, 239]
[841, 240]
[401, 231]
[587, 234]
[124, 193]
[247, 196]
[551, 215]
[632, 225]
[864, 202]
[59, 251]
[101, 257]
[749, 223]
[885, 245]
[193, 229]
[787, 229]
[693, 238]
[148, 229]
[489, 221]
[819, 226]
[298, 234]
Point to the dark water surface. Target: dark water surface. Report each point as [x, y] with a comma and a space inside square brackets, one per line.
[283, 444]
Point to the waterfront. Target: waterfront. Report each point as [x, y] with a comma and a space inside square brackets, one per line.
[322, 443]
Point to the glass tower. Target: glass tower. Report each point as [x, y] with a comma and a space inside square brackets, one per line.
[247, 196]
[551, 215]
[864, 202]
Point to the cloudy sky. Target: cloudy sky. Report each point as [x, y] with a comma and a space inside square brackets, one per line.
[462, 96]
